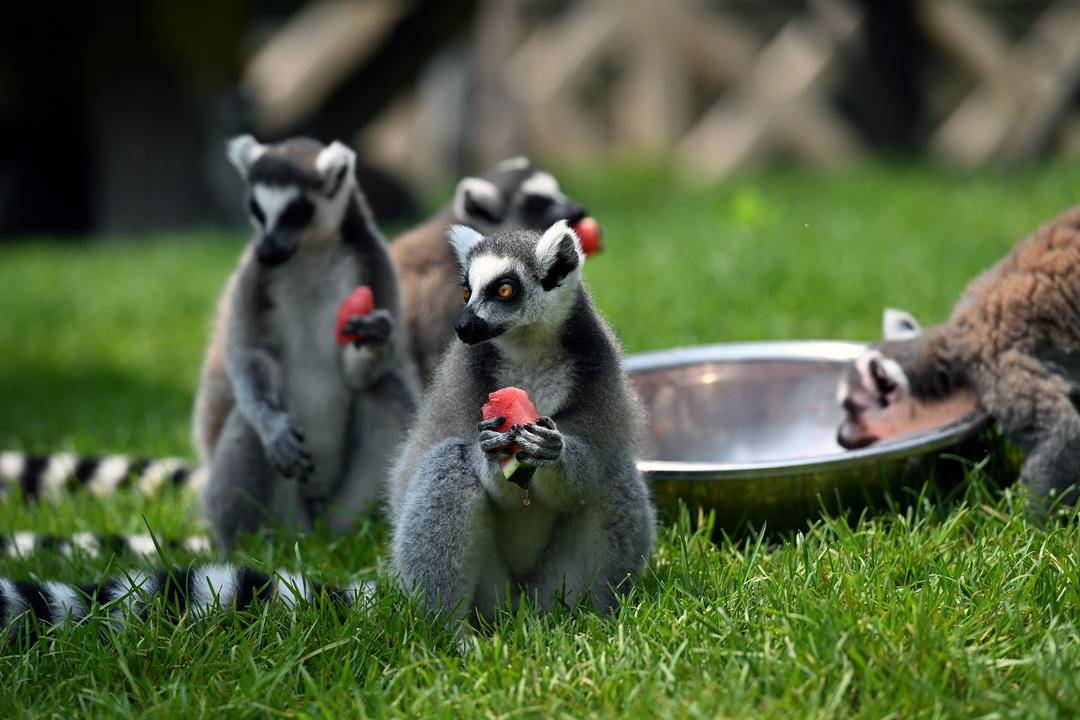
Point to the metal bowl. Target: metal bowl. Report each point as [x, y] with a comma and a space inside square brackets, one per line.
[749, 430]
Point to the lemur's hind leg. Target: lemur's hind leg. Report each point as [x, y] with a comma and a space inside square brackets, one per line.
[572, 571]
[243, 492]
[1036, 412]
[443, 537]
[380, 420]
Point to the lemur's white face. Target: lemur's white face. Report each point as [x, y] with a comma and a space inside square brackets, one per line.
[876, 400]
[875, 394]
[293, 202]
[513, 195]
[515, 280]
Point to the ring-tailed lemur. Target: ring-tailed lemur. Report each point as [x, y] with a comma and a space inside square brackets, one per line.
[49, 476]
[514, 194]
[460, 532]
[1011, 346]
[293, 426]
[194, 590]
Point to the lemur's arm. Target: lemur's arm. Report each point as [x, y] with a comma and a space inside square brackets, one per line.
[1035, 411]
[258, 381]
[382, 350]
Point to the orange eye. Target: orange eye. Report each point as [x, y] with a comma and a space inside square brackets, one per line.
[467, 293]
[505, 291]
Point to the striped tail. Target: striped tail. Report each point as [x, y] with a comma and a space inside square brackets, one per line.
[195, 590]
[49, 476]
[91, 545]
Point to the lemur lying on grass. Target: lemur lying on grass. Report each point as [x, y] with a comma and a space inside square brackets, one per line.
[1011, 346]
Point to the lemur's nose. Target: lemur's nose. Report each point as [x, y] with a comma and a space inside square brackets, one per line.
[575, 213]
[471, 328]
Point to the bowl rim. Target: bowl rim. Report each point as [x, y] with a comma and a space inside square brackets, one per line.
[787, 350]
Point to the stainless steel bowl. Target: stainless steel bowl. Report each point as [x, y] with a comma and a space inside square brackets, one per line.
[749, 430]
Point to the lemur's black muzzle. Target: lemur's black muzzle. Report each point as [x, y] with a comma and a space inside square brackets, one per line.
[473, 329]
[572, 213]
[275, 248]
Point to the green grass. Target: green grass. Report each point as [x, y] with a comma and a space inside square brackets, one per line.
[947, 605]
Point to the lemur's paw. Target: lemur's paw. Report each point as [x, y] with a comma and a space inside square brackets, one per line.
[493, 442]
[373, 328]
[287, 452]
[541, 442]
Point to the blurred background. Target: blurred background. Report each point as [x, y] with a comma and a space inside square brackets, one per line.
[113, 115]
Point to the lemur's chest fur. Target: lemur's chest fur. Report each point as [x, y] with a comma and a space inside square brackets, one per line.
[305, 303]
[525, 531]
[548, 383]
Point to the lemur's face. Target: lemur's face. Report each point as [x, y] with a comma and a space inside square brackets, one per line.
[298, 191]
[513, 195]
[876, 400]
[516, 280]
[876, 392]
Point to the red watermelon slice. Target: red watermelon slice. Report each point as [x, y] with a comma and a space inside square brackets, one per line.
[513, 404]
[360, 302]
[588, 232]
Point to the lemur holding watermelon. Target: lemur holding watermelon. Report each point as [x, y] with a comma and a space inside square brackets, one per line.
[462, 533]
[300, 407]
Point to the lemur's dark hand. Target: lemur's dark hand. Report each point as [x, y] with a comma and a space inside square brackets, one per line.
[541, 442]
[286, 450]
[495, 443]
[374, 328]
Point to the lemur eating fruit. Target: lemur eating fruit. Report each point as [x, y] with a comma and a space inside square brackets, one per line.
[1011, 347]
[462, 532]
[293, 425]
[513, 194]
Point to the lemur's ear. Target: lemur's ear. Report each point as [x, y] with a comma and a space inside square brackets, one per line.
[558, 254]
[243, 151]
[515, 163]
[881, 374]
[335, 165]
[899, 325]
[478, 202]
[463, 239]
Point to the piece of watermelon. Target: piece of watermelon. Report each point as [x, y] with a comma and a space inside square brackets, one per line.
[360, 302]
[588, 232]
[513, 404]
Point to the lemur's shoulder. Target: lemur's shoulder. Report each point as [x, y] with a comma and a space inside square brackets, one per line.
[424, 247]
[1031, 296]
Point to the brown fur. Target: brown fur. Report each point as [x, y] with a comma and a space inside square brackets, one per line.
[1014, 338]
[430, 287]
[214, 398]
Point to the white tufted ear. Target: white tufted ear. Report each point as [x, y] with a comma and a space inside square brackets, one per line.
[515, 163]
[899, 325]
[478, 202]
[335, 165]
[243, 151]
[558, 254]
[463, 239]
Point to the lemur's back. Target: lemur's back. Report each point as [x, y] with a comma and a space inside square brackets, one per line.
[1031, 297]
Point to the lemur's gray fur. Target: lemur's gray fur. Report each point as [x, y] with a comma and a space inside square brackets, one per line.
[1011, 345]
[295, 427]
[462, 533]
[514, 194]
